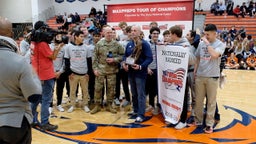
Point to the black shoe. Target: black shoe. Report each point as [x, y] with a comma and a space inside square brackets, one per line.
[35, 125]
[132, 114]
[49, 127]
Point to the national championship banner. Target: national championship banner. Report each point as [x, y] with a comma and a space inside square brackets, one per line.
[172, 64]
[166, 14]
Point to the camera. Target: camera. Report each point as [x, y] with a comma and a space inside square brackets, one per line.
[42, 33]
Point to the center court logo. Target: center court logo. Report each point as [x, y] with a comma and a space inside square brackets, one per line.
[155, 131]
[173, 79]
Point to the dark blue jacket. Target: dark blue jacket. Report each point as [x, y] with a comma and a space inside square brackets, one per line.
[144, 59]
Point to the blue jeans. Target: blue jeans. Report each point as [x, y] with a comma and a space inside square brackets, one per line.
[46, 99]
[138, 94]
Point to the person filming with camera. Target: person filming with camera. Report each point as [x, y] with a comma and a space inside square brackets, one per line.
[42, 62]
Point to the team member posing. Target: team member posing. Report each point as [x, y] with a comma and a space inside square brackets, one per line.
[79, 64]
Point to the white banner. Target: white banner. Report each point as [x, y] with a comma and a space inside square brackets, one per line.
[172, 64]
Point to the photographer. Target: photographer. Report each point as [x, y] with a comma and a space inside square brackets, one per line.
[42, 62]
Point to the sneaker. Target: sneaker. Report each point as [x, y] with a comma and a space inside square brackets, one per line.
[65, 101]
[117, 102]
[149, 108]
[191, 119]
[86, 109]
[132, 113]
[35, 125]
[71, 109]
[125, 103]
[49, 127]
[180, 125]
[208, 129]
[96, 109]
[138, 120]
[194, 124]
[155, 111]
[60, 108]
[50, 110]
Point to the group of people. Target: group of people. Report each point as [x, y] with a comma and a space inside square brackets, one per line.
[95, 61]
[219, 8]
[240, 48]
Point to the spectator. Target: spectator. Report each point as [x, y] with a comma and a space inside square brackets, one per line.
[237, 12]
[59, 19]
[220, 9]
[232, 62]
[137, 57]
[19, 85]
[243, 9]
[214, 7]
[77, 17]
[230, 5]
[233, 32]
[25, 43]
[251, 62]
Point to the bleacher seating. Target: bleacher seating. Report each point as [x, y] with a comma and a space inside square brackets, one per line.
[52, 21]
[229, 21]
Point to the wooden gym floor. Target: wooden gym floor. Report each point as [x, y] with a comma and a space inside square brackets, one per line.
[237, 102]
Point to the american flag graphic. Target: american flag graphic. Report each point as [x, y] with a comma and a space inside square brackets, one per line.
[175, 77]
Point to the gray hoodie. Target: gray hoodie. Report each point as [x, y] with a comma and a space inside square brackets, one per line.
[184, 42]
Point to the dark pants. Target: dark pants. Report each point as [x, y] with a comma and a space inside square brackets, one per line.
[60, 83]
[151, 87]
[91, 85]
[11, 135]
[122, 75]
[183, 116]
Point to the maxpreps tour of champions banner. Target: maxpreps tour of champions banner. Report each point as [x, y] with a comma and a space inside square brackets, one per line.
[172, 64]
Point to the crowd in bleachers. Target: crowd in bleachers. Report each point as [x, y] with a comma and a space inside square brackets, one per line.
[240, 48]
[219, 8]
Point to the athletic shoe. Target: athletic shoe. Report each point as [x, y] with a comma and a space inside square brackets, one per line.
[71, 109]
[60, 108]
[50, 110]
[155, 111]
[86, 109]
[208, 129]
[125, 103]
[180, 125]
[49, 127]
[117, 102]
[149, 108]
[194, 124]
[138, 120]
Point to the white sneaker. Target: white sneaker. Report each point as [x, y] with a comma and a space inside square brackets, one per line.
[155, 111]
[117, 102]
[180, 125]
[86, 109]
[71, 109]
[50, 110]
[65, 101]
[60, 108]
[149, 108]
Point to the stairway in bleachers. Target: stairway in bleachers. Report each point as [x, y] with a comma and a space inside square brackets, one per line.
[229, 21]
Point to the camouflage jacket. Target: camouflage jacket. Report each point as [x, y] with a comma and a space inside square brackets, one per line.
[101, 52]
